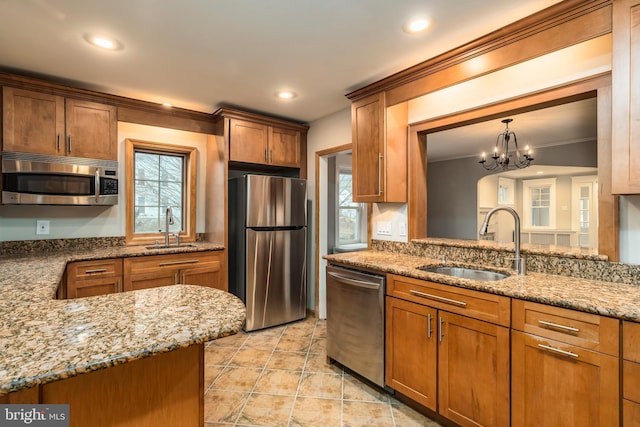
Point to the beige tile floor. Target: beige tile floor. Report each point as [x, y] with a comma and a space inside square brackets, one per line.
[280, 377]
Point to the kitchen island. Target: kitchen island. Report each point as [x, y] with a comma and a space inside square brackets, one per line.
[132, 358]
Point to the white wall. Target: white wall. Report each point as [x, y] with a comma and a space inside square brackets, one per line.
[630, 229]
[328, 132]
[19, 222]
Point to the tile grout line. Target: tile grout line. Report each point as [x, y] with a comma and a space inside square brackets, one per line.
[258, 379]
[295, 397]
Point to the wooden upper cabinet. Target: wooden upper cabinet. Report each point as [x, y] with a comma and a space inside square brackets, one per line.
[379, 150]
[284, 147]
[626, 97]
[41, 123]
[248, 142]
[252, 142]
[32, 122]
[91, 130]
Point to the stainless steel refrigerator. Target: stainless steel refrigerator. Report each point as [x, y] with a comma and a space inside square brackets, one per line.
[268, 248]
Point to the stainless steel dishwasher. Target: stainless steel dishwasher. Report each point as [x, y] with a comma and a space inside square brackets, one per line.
[355, 321]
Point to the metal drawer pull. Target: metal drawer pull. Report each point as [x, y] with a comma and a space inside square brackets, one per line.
[429, 325]
[97, 270]
[441, 331]
[437, 298]
[190, 261]
[557, 350]
[555, 325]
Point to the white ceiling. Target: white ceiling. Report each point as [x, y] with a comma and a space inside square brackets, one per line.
[562, 124]
[201, 54]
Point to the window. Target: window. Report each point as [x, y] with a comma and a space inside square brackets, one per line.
[351, 216]
[539, 203]
[159, 176]
[585, 211]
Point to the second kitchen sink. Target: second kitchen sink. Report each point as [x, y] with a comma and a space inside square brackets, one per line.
[465, 273]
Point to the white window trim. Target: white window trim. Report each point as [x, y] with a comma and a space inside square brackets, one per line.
[362, 233]
[527, 185]
[575, 207]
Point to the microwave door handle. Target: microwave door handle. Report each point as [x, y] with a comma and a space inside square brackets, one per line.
[97, 189]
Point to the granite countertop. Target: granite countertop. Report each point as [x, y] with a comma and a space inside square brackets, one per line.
[617, 300]
[43, 339]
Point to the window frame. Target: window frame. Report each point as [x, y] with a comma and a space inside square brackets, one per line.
[358, 206]
[529, 184]
[188, 234]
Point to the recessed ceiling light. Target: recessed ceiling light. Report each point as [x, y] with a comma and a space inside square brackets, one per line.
[286, 94]
[103, 42]
[416, 26]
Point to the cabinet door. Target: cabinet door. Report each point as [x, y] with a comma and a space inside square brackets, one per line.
[367, 117]
[93, 287]
[91, 130]
[626, 97]
[209, 274]
[33, 122]
[284, 147]
[248, 142]
[148, 280]
[473, 371]
[556, 384]
[631, 414]
[411, 350]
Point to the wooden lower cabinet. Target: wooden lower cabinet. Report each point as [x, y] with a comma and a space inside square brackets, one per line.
[92, 278]
[411, 350]
[558, 384]
[473, 371]
[193, 268]
[164, 390]
[631, 374]
[630, 413]
[464, 361]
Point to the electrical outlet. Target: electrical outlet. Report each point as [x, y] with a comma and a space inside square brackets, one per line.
[383, 228]
[42, 227]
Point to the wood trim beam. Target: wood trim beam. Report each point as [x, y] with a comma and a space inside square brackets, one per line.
[561, 25]
[599, 86]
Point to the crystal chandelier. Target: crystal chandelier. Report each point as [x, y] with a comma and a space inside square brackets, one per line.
[502, 158]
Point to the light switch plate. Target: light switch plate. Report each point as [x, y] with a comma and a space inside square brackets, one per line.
[403, 229]
[42, 227]
[383, 228]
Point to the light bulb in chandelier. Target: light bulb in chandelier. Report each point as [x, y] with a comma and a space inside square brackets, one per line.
[504, 159]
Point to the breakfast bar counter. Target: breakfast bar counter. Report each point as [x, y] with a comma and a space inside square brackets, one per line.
[46, 342]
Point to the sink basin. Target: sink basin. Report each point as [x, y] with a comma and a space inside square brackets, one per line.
[182, 245]
[465, 273]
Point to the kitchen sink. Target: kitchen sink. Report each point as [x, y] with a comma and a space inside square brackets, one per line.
[182, 245]
[465, 273]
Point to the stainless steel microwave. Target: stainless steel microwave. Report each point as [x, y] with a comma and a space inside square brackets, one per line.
[35, 179]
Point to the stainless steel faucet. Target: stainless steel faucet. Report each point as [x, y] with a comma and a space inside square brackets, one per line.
[519, 262]
[168, 220]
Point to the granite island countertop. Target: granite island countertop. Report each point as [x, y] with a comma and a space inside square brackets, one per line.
[43, 339]
[617, 300]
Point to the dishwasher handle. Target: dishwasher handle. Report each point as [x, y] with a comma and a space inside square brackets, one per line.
[353, 282]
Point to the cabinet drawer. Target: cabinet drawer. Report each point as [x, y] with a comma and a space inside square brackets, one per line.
[83, 270]
[155, 263]
[478, 305]
[585, 330]
[631, 380]
[631, 341]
